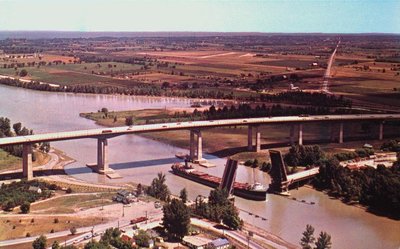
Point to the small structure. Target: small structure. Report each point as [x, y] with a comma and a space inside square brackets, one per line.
[35, 189]
[124, 196]
[219, 243]
[128, 239]
[293, 88]
[195, 242]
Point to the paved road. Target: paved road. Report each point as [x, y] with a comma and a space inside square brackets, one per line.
[328, 69]
[237, 235]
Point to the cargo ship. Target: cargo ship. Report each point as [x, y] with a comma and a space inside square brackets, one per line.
[256, 191]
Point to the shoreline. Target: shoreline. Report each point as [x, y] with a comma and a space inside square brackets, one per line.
[113, 94]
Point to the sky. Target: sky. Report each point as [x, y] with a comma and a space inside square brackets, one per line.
[327, 16]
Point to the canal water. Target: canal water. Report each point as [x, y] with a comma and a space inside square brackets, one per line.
[138, 159]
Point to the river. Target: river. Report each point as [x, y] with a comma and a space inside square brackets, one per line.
[139, 159]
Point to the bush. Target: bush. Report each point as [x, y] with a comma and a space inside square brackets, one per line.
[23, 73]
[56, 220]
[25, 207]
[248, 163]
[73, 230]
[68, 191]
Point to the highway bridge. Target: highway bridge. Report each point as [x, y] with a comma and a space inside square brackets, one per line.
[195, 127]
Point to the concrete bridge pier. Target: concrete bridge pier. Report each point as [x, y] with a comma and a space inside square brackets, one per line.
[258, 139]
[191, 145]
[199, 153]
[102, 156]
[341, 132]
[196, 147]
[292, 143]
[27, 169]
[381, 130]
[250, 138]
[300, 134]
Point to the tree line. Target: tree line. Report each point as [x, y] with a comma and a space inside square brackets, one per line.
[18, 130]
[17, 193]
[375, 188]
[298, 98]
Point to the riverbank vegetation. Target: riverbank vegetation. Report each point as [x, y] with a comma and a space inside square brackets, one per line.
[308, 240]
[9, 155]
[376, 189]
[218, 208]
[17, 193]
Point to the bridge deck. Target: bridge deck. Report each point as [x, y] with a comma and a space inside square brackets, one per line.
[110, 132]
[303, 175]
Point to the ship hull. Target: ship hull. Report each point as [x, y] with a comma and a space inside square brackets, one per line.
[243, 193]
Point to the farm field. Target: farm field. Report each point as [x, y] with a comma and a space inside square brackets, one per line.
[366, 68]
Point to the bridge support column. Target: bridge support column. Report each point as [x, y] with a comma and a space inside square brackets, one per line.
[300, 134]
[341, 133]
[199, 146]
[102, 156]
[258, 139]
[291, 135]
[331, 132]
[27, 170]
[380, 130]
[250, 138]
[192, 145]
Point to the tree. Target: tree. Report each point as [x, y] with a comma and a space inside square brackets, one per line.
[230, 217]
[158, 188]
[142, 238]
[129, 121]
[8, 205]
[45, 147]
[308, 237]
[55, 245]
[139, 190]
[324, 241]
[183, 195]
[40, 243]
[96, 245]
[176, 219]
[17, 128]
[73, 230]
[23, 73]
[25, 207]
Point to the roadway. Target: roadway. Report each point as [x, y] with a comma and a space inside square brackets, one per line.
[328, 69]
[117, 131]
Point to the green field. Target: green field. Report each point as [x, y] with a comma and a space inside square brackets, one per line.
[72, 203]
[8, 161]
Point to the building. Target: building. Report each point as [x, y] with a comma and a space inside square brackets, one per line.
[219, 243]
[35, 189]
[195, 242]
[128, 239]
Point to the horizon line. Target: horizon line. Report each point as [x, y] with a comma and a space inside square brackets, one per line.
[222, 32]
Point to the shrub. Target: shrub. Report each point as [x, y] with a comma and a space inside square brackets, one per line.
[248, 163]
[25, 207]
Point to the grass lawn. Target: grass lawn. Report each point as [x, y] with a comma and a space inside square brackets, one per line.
[17, 227]
[71, 204]
[10, 162]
